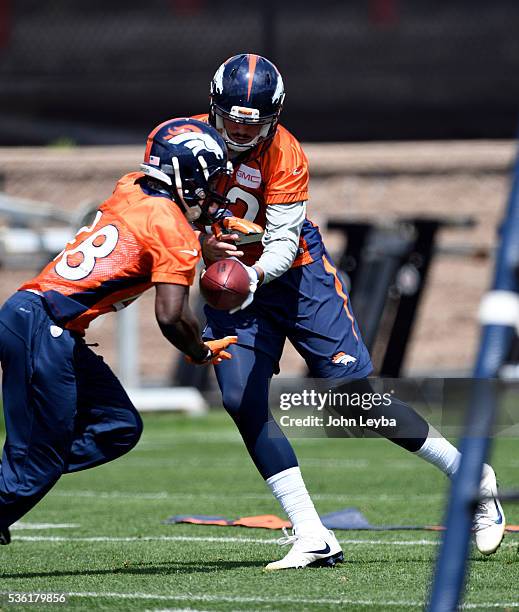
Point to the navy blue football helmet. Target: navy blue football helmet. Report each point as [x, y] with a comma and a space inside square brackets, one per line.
[248, 89]
[189, 159]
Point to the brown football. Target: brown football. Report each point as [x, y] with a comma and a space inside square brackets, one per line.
[225, 284]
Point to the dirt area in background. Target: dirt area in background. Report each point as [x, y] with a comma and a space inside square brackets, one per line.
[374, 181]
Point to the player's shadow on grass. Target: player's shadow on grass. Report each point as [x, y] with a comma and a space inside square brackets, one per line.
[166, 567]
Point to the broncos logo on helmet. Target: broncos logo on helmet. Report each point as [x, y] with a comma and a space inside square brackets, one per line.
[188, 158]
[198, 142]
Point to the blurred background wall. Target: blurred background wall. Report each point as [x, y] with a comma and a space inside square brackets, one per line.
[98, 72]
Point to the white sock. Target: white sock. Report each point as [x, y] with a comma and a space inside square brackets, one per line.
[440, 452]
[289, 489]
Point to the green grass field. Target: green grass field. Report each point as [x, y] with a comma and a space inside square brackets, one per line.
[116, 554]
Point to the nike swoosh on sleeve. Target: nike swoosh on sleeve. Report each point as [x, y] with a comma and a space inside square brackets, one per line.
[192, 252]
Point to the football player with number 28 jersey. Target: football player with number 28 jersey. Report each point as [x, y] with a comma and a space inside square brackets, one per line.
[64, 409]
[295, 293]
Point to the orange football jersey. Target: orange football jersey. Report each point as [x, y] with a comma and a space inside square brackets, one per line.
[275, 174]
[135, 240]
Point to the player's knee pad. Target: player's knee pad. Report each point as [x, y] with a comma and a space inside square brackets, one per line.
[248, 410]
[235, 400]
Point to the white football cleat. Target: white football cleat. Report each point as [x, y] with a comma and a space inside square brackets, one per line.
[489, 519]
[309, 550]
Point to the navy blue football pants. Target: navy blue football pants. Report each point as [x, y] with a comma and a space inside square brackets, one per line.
[64, 408]
[244, 382]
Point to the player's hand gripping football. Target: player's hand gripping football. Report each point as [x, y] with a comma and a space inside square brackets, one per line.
[216, 351]
[244, 231]
[228, 232]
[253, 285]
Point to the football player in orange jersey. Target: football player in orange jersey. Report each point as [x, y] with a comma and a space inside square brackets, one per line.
[64, 409]
[295, 293]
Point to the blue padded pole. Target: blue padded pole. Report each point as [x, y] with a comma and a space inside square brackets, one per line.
[499, 310]
[452, 562]
[499, 315]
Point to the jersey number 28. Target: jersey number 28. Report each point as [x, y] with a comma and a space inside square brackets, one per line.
[77, 263]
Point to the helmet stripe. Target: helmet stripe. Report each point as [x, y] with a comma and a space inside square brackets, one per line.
[253, 58]
[151, 135]
[159, 127]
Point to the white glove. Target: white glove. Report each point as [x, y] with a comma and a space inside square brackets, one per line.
[253, 285]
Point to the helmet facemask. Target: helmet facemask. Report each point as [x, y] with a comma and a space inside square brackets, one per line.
[202, 198]
[240, 115]
[246, 89]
